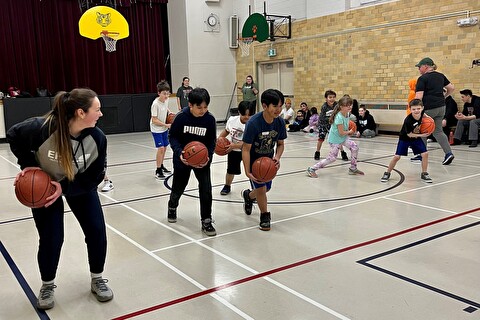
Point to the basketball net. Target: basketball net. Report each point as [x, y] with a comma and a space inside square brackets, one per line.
[245, 44]
[110, 39]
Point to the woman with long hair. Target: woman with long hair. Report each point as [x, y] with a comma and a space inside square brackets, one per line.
[66, 144]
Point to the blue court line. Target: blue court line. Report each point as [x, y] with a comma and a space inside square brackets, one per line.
[23, 283]
[366, 263]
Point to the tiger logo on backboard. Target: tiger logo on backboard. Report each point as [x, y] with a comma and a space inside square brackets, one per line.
[103, 19]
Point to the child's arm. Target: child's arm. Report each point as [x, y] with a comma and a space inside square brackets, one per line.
[417, 135]
[173, 134]
[231, 146]
[278, 153]
[246, 161]
[224, 133]
[157, 122]
[342, 132]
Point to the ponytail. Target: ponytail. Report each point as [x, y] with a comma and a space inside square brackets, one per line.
[65, 105]
[344, 101]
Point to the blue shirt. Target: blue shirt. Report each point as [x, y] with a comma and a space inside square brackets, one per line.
[263, 136]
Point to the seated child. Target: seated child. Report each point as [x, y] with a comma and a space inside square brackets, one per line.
[366, 125]
[299, 123]
[312, 122]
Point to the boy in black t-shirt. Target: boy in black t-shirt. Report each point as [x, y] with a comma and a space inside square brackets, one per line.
[410, 136]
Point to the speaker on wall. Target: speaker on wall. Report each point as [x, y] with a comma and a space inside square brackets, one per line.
[233, 32]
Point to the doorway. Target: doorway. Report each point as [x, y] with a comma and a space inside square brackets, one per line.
[277, 75]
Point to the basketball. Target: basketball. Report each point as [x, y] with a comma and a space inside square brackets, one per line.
[170, 118]
[221, 146]
[352, 126]
[195, 153]
[264, 169]
[33, 188]
[428, 125]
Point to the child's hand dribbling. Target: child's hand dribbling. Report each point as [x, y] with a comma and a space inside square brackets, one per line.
[183, 159]
[202, 164]
[277, 163]
[252, 177]
[185, 162]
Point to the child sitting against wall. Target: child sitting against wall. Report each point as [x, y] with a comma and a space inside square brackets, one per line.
[299, 123]
[312, 122]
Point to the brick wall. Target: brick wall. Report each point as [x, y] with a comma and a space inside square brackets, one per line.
[370, 53]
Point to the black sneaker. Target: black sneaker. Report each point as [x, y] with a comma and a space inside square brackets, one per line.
[247, 202]
[172, 215]
[416, 159]
[344, 155]
[448, 159]
[425, 177]
[265, 221]
[165, 170]
[385, 177]
[159, 175]
[207, 227]
[317, 155]
[226, 190]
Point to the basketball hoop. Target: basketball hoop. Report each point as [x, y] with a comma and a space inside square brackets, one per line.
[245, 44]
[110, 39]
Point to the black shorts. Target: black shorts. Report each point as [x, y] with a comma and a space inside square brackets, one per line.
[323, 131]
[233, 162]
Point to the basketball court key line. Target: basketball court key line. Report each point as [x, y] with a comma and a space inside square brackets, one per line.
[22, 282]
[191, 240]
[292, 265]
[201, 287]
[367, 263]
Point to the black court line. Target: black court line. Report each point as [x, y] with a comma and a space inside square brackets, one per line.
[187, 193]
[303, 201]
[366, 263]
[23, 283]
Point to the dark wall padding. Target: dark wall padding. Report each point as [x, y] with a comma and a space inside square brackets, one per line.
[117, 113]
[16, 110]
[122, 113]
[141, 111]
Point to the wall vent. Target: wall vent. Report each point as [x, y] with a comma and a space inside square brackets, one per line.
[233, 32]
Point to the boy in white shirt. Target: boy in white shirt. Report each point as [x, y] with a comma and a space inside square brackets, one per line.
[158, 126]
[234, 133]
[288, 114]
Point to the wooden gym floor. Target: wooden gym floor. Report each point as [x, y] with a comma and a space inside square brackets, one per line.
[341, 247]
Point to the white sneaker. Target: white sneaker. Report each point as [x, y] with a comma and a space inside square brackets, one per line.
[107, 186]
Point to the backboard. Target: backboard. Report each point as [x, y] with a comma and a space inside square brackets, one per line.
[255, 27]
[101, 20]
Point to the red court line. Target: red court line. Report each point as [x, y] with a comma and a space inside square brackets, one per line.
[289, 266]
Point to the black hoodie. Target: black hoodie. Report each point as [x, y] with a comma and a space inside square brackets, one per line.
[366, 122]
[33, 146]
[187, 128]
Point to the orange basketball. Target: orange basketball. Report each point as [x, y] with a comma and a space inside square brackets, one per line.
[195, 153]
[428, 125]
[33, 188]
[170, 118]
[264, 169]
[352, 126]
[221, 146]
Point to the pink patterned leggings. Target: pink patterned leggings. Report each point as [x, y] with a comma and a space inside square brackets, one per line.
[332, 155]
